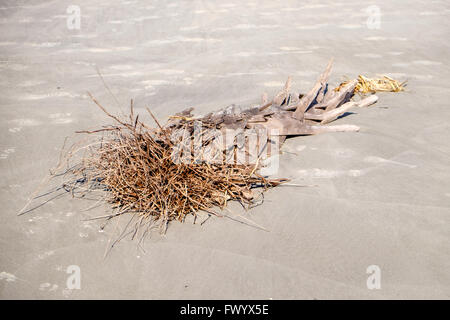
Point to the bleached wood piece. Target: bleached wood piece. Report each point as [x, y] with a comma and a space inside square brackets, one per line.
[333, 114]
[283, 94]
[337, 128]
[307, 99]
[340, 96]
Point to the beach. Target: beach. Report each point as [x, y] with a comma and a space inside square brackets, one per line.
[378, 197]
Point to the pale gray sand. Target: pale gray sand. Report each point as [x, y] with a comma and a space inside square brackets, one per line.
[382, 196]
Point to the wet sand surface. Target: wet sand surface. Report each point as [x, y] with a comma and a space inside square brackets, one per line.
[380, 196]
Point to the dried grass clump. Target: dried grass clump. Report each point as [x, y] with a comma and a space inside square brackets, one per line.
[133, 164]
[368, 85]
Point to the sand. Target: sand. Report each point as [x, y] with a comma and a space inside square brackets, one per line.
[380, 196]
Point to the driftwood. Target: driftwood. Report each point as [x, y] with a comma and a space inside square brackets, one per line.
[138, 167]
[287, 114]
